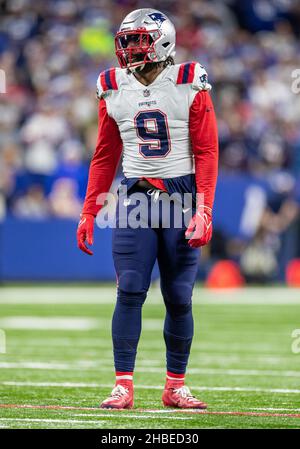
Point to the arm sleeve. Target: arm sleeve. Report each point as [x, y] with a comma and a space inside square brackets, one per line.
[105, 160]
[204, 140]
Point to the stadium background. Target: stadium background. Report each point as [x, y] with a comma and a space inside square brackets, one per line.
[52, 53]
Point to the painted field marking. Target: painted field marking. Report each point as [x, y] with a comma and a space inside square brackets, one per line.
[207, 358]
[107, 364]
[146, 387]
[61, 421]
[106, 295]
[112, 413]
[57, 295]
[96, 344]
[42, 365]
[207, 349]
[205, 412]
[67, 323]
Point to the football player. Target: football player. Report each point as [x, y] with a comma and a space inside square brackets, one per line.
[161, 116]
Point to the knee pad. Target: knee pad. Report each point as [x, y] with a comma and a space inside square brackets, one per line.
[178, 310]
[177, 298]
[130, 288]
[130, 281]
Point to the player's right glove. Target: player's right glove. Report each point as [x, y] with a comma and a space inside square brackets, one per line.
[85, 232]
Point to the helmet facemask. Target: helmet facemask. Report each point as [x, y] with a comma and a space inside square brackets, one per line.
[135, 48]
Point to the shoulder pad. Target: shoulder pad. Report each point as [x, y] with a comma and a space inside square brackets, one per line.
[106, 81]
[193, 73]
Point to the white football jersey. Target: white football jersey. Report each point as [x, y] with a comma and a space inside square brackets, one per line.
[154, 120]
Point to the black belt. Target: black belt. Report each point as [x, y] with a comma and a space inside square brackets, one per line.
[144, 184]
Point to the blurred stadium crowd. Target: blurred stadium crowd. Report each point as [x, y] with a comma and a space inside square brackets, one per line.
[52, 53]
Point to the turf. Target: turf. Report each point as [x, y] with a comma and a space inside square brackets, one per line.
[58, 363]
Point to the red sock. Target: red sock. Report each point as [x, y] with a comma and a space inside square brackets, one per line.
[124, 378]
[176, 379]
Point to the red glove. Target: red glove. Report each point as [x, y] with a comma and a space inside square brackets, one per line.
[85, 232]
[199, 231]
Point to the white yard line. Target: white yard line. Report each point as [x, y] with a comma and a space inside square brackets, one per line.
[122, 414]
[66, 323]
[107, 364]
[62, 421]
[57, 295]
[96, 344]
[140, 416]
[243, 372]
[106, 295]
[48, 365]
[49, 323]
[146, 387]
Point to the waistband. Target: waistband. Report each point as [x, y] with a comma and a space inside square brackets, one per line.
[180, 184]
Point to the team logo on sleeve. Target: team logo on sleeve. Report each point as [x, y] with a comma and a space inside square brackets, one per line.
[157, 17]
[203, 78]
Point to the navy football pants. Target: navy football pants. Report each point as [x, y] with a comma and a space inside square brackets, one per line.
[135, 252]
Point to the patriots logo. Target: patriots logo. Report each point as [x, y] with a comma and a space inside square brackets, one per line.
[158, 17]
[203, 78]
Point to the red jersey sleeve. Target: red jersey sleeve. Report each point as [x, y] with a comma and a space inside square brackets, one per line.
[204, 140]
[105, 160]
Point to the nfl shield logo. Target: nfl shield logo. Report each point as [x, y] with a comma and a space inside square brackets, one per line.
[146, 93]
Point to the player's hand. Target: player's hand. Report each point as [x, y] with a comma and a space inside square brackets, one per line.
[199, 231]
[85, 232]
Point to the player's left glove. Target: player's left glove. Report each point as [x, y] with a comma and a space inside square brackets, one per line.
[199, 231]
[85, 232]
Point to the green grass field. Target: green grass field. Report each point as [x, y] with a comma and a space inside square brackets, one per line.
[58, 363]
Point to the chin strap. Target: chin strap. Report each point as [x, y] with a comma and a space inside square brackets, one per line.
[141, 67]
[138, 68]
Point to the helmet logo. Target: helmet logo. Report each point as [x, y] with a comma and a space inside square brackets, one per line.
[158, 18]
